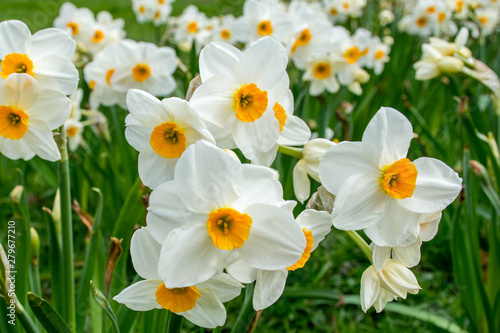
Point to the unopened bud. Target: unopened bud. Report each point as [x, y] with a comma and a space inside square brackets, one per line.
[450, 65]
[16, 194]
[35, 245]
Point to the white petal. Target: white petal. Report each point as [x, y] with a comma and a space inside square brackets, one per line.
[15, 149]
[301, 183]
[397, 227]
[258, 136]
[188, 257]
[410, 255]
[52, 107]
[56, 72]
[218, 58]
[208, 312]
[429, 224]
[214, 100]
[146, 108]
[242, 271]
[319, 222]
[383, 298]
[275, 241]
[263, 63]
[51, 41]
[167, 211]
[370, 288]
[359, 203]
[13, 36]
[342, 161]
[155, 169]
[295, 133]
[145, 253]
[398, 280]
[387, 137]
[40, 139]
[381, 255]
[140, 296]
[137, 135]
[20, 91]
[224, 287]
[209, 177]
[437, 186]
[259, 185]
[268, 288]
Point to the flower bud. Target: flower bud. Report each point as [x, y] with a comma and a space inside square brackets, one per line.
[450, 65]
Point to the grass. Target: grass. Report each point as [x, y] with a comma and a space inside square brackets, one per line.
[433, 107]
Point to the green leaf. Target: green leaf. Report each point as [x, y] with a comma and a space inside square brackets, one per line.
[103, 302]
[49, 318]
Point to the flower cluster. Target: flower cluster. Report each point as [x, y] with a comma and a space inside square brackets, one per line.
[326, 53]
[156, 11]
[91, 33]
[437, 17]
[129, 65]
[36, 75]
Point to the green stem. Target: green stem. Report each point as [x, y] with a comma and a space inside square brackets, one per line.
[25, 319]
[245, 318]
[174, 323]
[294, 152]
[68, 286]
[360, 242]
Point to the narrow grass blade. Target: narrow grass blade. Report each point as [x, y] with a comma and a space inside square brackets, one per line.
[49, 318]
[103, 302]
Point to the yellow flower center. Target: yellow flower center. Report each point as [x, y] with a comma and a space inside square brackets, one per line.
[307, 251]
[157, 15]
[109, 74]
[192, 27]
[141, 72]
[431, 9]
[168, 140]
[441, 17]
[333, 11]
[460, 6]
[483, 20]
[322, 70]
[303, 39]
[13, 122]
[71, 132]
[352, 54]
[280, 114]
[399, 179]
[177, 299]
[250, 103]
[421, 22]
[228, 228]
[142, 9]
[98, 36]
[379, 55]
[74, 27]
[345, 5]
[161, 2]
[91, 84]
[225, 34]
[16, 63]
[265, 28]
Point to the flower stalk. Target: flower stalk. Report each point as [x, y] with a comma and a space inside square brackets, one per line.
[360, 242]
[66, 232]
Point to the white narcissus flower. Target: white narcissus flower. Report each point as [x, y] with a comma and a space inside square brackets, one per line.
[215, 206]
[189, 25]
[161, 131]
[309, 165]
[270, 283]
[381, 191]
[201, 304]
[238, 96]
[77, 22]
[321, 72]
[145, 66]
[28, 116]
[380, 287]
[45, 56]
